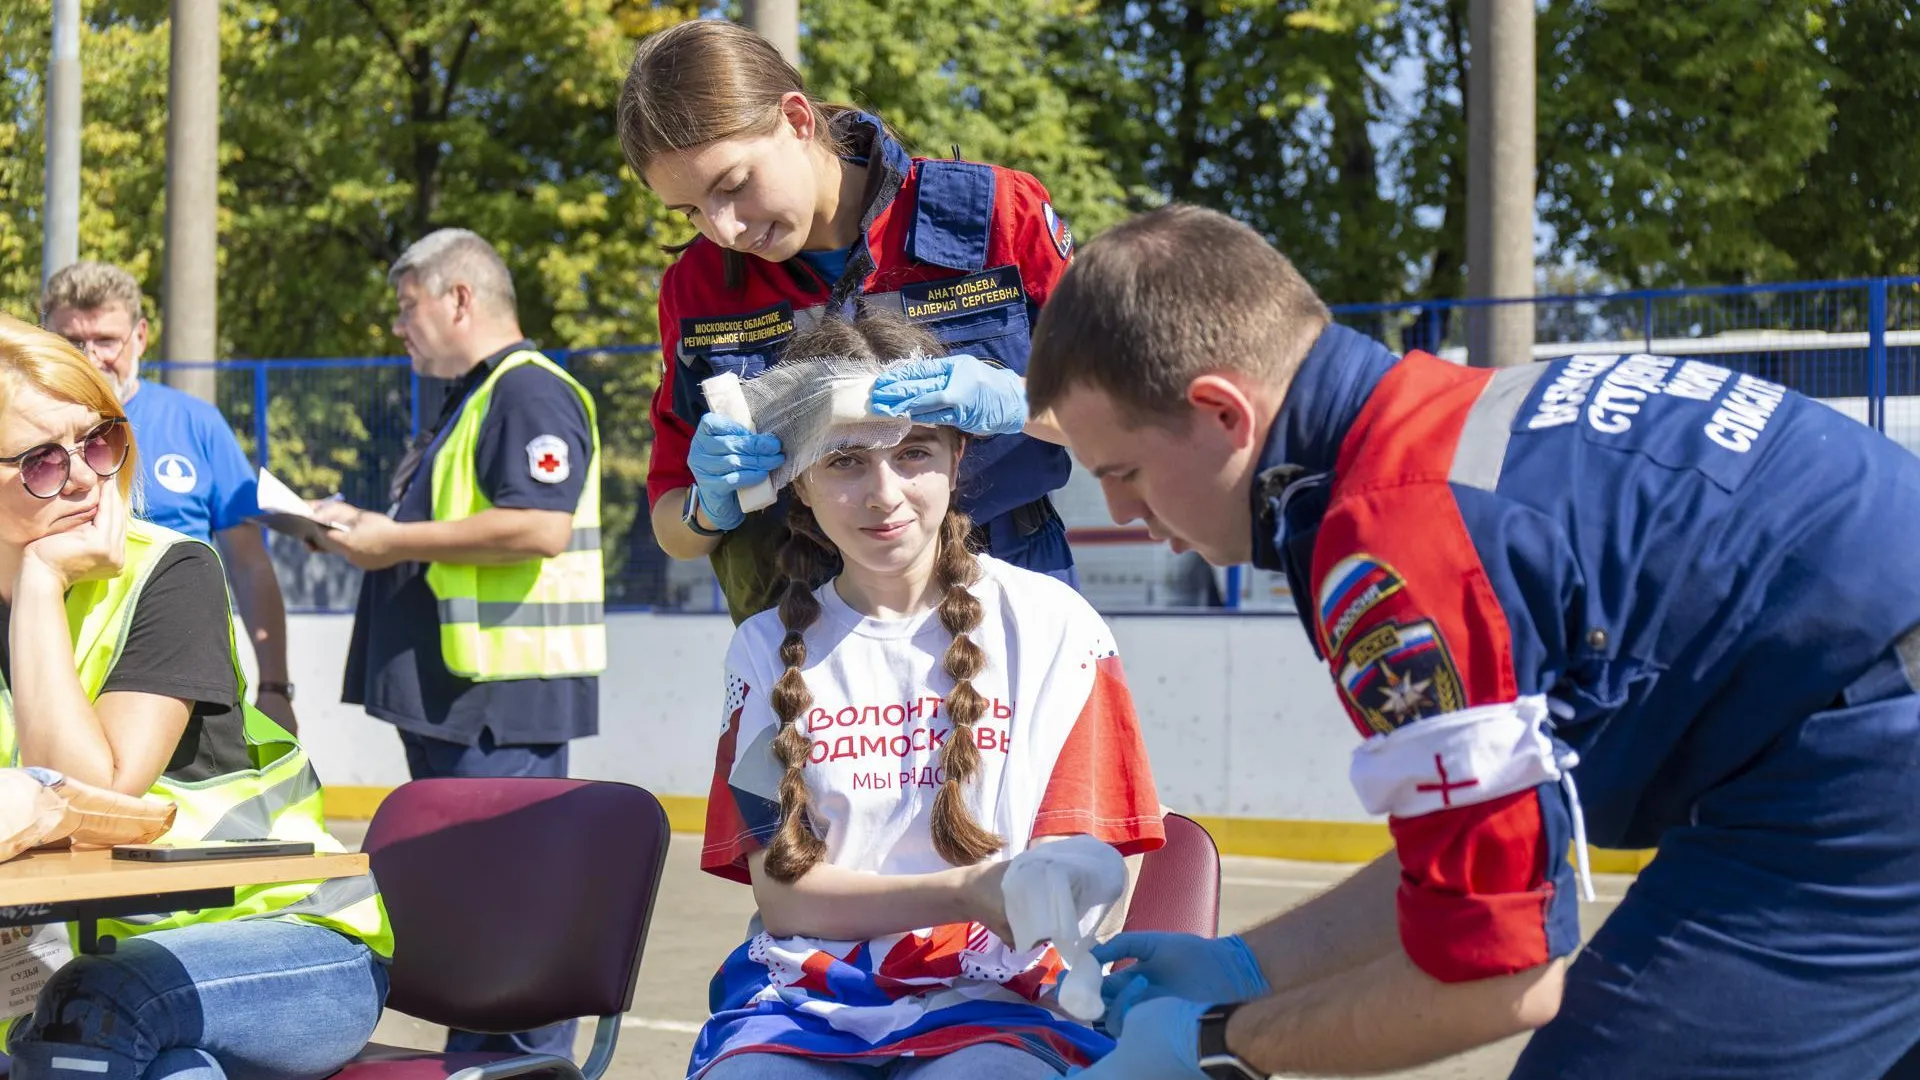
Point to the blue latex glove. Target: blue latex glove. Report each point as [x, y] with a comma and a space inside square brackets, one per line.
[1215, 970]
[1162, 1043]
[956, 391]
[724, 458]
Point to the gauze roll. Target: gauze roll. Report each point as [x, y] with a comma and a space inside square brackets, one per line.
[1060, 892]
[816, 408]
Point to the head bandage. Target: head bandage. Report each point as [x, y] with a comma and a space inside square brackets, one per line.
[816, 408]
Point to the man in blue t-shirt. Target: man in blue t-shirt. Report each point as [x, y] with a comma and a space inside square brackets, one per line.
[198, 481]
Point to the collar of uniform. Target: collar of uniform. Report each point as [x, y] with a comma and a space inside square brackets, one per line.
[1326, 395]
[458, 390]
[887, 166]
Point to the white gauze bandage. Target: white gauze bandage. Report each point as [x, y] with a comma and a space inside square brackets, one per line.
[816, 408]
[1060, 892]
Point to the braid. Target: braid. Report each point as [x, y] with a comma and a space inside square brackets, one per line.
[796, 847]
[958, 838]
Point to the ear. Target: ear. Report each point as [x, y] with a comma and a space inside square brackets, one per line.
[799, 486]
[798, 112]
[1219, 402]
[137, 341]
[462, 295]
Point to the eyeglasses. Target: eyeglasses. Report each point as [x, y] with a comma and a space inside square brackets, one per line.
[45, 469]
[106, 348]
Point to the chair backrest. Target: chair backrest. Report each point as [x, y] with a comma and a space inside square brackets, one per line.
[1179, 886]
[516, 902]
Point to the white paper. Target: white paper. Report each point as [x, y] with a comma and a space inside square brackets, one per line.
[29, 955]
[276, 497]
[286, 512]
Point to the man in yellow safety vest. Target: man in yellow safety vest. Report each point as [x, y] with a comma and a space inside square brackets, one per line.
[479, 631]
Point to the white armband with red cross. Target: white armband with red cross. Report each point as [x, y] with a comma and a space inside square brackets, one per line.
[1472, 756]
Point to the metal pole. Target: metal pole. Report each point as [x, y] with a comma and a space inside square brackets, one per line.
[193, 197]
[62, 236]
[1500, 179]
[778, 21]
[1877, 354]
[260, 407]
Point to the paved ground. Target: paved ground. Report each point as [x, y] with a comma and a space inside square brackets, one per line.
[699, 918]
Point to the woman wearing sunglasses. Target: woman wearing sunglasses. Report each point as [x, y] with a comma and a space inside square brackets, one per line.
[116, 651]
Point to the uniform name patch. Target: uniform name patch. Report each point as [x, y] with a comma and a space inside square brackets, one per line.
[751, 330]
[996, 288]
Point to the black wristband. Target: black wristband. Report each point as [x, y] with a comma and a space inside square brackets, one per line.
[1213, 1057]
[691, 515]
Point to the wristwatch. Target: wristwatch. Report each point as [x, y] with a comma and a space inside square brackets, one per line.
[1216, 1060]
[284, 689]
[691, 515]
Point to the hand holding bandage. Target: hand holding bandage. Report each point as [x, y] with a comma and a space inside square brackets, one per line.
[725, 457]
[1060, 892]
[954, 391]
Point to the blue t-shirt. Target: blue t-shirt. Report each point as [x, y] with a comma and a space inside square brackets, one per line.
[194, 478]
[394, 664]
[828, 264]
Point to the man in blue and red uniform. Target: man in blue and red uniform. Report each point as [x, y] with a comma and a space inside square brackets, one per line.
[970, 251]
[1685, 588]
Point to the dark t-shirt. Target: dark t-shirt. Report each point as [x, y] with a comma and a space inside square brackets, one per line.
[394, 666]
[180, 645]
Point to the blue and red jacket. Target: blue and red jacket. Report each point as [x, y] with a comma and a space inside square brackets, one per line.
[970, 251]
[1637, 571]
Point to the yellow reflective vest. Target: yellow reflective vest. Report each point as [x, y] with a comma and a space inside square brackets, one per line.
[539, 619]
[278, 798]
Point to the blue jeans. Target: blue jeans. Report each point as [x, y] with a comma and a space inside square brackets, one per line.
[255, 1000]
[427, 758]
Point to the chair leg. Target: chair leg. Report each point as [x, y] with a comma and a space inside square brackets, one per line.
[606, 1034]
[530, 1065]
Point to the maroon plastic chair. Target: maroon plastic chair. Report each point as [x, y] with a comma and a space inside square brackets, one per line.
[1179, 886]
[515, 903]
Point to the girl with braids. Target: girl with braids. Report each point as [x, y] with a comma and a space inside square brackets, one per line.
[893, 737]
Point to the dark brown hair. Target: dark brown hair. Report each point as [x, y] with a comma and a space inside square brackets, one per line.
[1157, 301]
[958, 838]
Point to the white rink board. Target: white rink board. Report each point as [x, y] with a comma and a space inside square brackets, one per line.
[1239, 718]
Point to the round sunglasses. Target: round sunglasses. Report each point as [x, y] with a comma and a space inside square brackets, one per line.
[45, 469]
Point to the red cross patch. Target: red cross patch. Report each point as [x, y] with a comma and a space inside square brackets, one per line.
[547, 459]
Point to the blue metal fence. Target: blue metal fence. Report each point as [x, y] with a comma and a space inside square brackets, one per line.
[342, 424]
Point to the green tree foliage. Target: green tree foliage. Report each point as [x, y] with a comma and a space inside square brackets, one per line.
[1669, 132]
[1259, 108]
[967, 74]
[347, 131]
[1858, 210]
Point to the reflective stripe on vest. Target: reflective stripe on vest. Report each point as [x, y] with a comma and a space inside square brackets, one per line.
[539, 619]
[278, 798]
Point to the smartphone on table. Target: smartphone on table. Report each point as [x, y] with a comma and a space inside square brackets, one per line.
[198, 850]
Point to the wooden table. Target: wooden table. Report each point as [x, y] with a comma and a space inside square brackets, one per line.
[86, 886]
